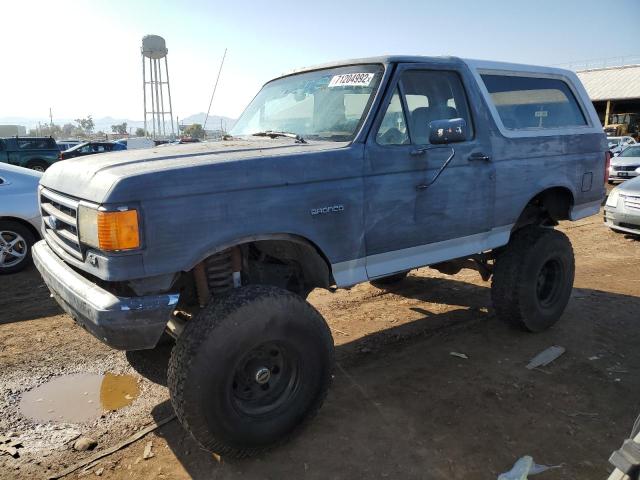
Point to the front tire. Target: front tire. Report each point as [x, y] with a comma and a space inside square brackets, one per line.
[16, 241]
[250, 369]
[533, 278]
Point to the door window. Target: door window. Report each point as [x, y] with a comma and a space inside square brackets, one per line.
[428, 96]
[393, 129]
[432, 95]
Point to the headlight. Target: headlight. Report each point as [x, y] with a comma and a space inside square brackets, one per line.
[612, 199]
[109, 231]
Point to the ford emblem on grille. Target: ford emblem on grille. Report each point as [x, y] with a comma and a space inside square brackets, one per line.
[52, 222]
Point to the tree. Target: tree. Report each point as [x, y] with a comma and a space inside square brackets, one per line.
[120, 128]
[46, 130]
[140, 132]
[68, 129]
[85, 124]
[194, 130]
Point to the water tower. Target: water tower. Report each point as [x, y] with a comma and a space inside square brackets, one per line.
[156, 89]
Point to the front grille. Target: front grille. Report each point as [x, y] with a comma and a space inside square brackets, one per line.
[625, 168]
[632, 203]
[60, 220]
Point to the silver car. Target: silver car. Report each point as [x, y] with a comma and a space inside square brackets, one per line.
[19, 216]
[622, 209]
[617, 144]
[625, 165]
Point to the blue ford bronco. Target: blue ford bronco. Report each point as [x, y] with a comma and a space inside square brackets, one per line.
[334, 175]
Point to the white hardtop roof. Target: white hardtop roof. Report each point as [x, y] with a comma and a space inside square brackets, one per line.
[472, 63]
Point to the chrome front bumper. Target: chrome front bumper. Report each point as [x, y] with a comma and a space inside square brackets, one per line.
[125, 323]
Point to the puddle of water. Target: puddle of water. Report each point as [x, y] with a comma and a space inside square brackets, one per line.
[78, 398]
[118, 391]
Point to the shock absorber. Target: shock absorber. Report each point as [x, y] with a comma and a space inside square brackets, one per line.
[218, 274]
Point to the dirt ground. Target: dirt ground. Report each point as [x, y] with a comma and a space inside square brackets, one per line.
[401, 406]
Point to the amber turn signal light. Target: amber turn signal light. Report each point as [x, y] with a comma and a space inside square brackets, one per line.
[118, 230]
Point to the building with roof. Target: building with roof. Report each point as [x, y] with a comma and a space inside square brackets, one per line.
[613, 90]
[12, 130]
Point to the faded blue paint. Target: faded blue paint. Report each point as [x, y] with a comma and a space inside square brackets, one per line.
[195, 200]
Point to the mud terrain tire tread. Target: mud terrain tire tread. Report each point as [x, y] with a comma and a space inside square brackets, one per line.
[219, 316]
[511, 286]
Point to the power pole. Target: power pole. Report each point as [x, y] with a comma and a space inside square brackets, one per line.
[50, 119]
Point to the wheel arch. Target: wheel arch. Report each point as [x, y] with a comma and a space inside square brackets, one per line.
[546, 207]
[312, 259]
[24, 223]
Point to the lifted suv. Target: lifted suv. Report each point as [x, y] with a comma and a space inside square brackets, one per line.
[349, 172]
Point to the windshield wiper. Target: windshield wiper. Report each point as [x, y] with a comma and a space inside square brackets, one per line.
[275, 134]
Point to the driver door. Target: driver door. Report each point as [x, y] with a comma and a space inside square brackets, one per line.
[407, 224]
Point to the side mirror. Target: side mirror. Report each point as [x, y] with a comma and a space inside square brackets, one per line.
[447, 131]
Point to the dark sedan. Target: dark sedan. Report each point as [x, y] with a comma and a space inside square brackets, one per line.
[90, 148]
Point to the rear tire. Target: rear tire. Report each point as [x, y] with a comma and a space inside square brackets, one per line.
[250, 369]
[16, 241]
[533, 278]
[38, 165]
[390, 280]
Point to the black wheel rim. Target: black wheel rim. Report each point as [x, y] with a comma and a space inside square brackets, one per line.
[549, 283]
[266, 379]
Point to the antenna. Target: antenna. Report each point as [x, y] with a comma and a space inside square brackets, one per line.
[204, 127]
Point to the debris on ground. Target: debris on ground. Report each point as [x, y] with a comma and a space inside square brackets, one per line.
[9, 446]
[524, 467]
[99, 471]
[85, 443]
[546, 357]
[133, 438]
[459, 355]
[147, 451]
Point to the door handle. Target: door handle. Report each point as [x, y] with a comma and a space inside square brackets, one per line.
[478, 157]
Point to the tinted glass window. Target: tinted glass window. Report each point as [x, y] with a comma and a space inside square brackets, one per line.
[36, 143]
[432, 95]
[393, 129]
[533, 103]
[631, 152]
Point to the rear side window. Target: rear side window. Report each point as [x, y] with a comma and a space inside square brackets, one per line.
[534, 103]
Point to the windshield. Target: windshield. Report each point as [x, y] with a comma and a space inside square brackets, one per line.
[620, 118]
[630, 152]
[324, 104]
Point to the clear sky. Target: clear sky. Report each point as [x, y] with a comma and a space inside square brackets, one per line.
[84, 57]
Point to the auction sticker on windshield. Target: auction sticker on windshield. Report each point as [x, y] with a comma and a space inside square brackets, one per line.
[351, 79]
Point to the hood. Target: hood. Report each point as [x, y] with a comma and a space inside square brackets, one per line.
[630, 187]
[625, 161]
[169, 171]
